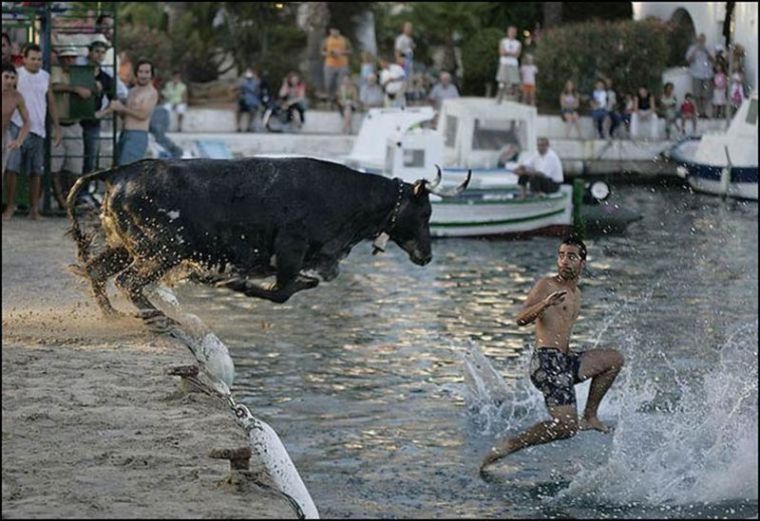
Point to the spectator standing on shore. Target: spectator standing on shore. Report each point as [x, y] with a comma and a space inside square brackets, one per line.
[528, 73]
[599, 107]
[720, 84]
[644, 109]
[508, 75]
[34, 84]
[404, 46]
[392, 80]
[67, 159]
[442, 90]
[249, 98]
[17, 60]
[175, 93]
[348, 101]
[670, 111]
[371, 94]
[689, 113]
[136, 113]
[122, 73]
[335, 49]
[104, 94]
[701, 71]
[12, 101]
[569, 101]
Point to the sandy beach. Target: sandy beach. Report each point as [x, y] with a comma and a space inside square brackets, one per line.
[92, 425]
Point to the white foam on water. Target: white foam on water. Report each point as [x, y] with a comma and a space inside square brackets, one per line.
[495, 405]
[703, 449]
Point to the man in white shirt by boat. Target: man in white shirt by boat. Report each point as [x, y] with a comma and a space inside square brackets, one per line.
[541, 172]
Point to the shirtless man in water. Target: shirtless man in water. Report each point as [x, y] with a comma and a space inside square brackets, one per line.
[554, 304]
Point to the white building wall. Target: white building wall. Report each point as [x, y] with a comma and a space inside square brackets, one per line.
[708, 19]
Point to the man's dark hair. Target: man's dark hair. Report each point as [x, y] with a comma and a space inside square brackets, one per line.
[8, 67]
[6, 38]
[103, 16]
[574, 240]
[31, 47]
[143, 61]
[98, 43]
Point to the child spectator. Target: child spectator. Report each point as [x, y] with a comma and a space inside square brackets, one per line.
[689, 113]
[528, 73]
[720, 83]
[737, 89]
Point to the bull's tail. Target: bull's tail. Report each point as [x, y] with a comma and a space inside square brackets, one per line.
[83, 240]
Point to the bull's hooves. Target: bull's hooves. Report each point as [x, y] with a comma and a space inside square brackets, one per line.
[77, 270]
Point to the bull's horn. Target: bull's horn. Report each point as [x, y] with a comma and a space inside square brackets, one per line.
[437, 181]
[456, 191]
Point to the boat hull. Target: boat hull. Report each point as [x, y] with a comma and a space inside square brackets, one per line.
[488, 213]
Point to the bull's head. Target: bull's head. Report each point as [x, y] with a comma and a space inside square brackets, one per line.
[411, 229]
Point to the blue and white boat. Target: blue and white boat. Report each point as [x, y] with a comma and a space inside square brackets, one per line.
[723, 164]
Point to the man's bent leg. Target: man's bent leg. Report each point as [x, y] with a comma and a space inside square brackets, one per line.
[602, 366]
[564, 424]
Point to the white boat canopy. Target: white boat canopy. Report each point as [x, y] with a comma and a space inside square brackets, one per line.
[477, 131]
[739, 142]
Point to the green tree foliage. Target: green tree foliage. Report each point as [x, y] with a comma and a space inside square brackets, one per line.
[480, 56]
[435, 24]
[632, 54]
[585, 11]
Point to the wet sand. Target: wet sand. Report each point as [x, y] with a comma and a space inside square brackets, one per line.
[92, 425]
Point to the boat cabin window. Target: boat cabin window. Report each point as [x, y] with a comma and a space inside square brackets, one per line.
[752, 113]
[451, 131]
[414, 158]
[492, 134]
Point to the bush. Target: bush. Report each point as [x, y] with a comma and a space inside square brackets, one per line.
[632, 53]
[480, 59]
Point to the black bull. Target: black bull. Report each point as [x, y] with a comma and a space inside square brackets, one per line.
[243, 218]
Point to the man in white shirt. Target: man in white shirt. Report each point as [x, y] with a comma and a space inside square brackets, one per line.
[508, 75]
[543, 171]
[392, 80]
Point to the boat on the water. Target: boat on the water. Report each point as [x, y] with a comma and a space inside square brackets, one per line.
[726, 163]
[488, 139]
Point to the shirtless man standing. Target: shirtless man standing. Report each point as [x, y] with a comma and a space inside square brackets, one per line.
[142, 99]
[554, 304]
[12, 100]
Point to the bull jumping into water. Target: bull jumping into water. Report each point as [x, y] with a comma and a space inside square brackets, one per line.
[231, 220]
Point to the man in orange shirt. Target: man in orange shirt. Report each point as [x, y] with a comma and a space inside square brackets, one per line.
[335, 49]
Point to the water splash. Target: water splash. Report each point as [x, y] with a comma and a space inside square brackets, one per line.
[494, 405]
[702, 449]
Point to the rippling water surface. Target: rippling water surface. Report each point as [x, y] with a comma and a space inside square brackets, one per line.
[377, 383]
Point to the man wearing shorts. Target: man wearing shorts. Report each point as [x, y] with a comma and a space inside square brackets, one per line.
[142, 99]
[34, 84]
[554, 304]
[542, 172]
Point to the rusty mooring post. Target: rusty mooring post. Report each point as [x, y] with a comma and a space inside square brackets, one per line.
[239, 458]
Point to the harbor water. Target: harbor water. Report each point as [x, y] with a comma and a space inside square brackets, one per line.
[389, 384]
